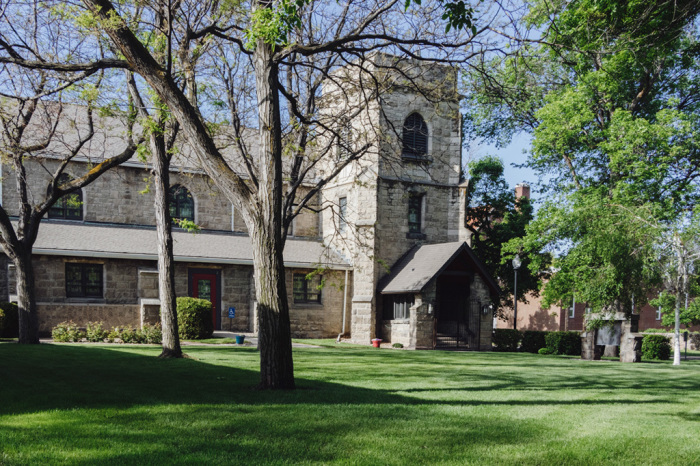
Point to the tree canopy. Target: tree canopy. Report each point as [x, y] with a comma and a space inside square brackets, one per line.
[609, 93]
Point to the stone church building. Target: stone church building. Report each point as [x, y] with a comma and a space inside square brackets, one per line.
[388, 243]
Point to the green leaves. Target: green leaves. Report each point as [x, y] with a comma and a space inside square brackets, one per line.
[457, 14]
[274, 22]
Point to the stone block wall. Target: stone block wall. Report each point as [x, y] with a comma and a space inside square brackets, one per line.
[323, 320]
[111, 315]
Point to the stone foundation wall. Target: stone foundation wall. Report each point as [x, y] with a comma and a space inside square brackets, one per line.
[324, 320]
[51, 314]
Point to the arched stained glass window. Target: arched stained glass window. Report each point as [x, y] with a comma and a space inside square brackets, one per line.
[415, 137]
[181, 203]
[70, 206]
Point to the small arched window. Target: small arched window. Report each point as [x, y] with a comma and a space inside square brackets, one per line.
[415, 137]
[70, 206]
[181, 203]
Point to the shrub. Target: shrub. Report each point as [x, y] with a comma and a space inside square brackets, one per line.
[694, 338]
[130, 335]
[568, 343]
[67, 331]
[397, 345]
[95, 332]
[656, 347]
[9, 320]
[152, 334]
[506, 339]
[114, 335]
[655, 330]
[533, 341]
[194, 318]
[544, 350]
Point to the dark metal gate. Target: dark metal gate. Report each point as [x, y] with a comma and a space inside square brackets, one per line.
[457, 323]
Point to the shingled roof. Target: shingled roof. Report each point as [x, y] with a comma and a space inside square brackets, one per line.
[125, 242]
[424, 262]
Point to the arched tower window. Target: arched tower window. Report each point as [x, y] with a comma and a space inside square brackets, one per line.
[415, 137]
[70, 206]
[181, 203]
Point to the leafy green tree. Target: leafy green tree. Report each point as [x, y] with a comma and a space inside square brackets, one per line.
[609, 93]
[494, 216]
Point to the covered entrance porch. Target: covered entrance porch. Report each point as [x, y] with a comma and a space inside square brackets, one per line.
[438, 297]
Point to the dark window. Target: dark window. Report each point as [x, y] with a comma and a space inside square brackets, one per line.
[415, 212]
[307, 291]
[344, 141]
[397, 306]
[70, 206]
[181, 203]
[83, 280]
[415, 137]
[342, 212]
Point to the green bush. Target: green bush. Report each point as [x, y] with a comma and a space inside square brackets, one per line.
[67, 331]
[152, 334]
[194, 318]
[9, 320]
[397, 345]
[568, 343]
[130, 335]
[656, 347]
[506, 339]
[114, 334]
[544, 351]
[95, 332]
[656, 330]
[533, 341]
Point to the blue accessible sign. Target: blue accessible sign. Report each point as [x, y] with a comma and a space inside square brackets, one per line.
[231, 312]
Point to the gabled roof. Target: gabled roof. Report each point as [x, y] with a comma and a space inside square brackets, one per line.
[424, 262]
[128, 242]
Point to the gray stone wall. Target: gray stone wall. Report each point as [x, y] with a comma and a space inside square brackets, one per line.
[125, 195]
[324, 320]
[111, 315]
[480, 291]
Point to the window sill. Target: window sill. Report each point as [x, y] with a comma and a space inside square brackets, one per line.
[415, 235]
[421, 160]
[86, 300]
[307, 304]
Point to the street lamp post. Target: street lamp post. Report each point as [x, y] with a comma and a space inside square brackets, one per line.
[516, 265]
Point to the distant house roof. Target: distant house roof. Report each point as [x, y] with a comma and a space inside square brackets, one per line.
[424, 262]
[127, 242]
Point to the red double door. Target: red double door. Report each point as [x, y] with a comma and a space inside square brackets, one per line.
[206, 284]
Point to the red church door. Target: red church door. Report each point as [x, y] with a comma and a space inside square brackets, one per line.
[205, 285]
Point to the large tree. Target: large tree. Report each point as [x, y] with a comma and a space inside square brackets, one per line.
[609, 93]
[495, 216]
[263, 68]
[52, 134]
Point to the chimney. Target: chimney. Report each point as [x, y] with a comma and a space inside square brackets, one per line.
[522, 190]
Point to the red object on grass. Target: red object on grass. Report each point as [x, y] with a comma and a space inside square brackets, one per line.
[376, 341]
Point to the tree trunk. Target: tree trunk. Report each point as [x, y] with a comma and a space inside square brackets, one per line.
[274, 334]
[677, 332]
[166, 270]
[26, 299]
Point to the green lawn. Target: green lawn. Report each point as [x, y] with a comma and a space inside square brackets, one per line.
[90, 404]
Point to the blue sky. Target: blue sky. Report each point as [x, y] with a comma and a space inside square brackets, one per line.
[513, 153]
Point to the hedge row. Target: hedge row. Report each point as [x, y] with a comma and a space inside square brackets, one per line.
[193, 316]
[95, 332]
[656, 347]
[532, 341]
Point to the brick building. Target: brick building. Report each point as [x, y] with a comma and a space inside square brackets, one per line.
[398, 210]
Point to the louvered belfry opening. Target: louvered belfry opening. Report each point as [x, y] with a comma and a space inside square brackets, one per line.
[415, 137]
